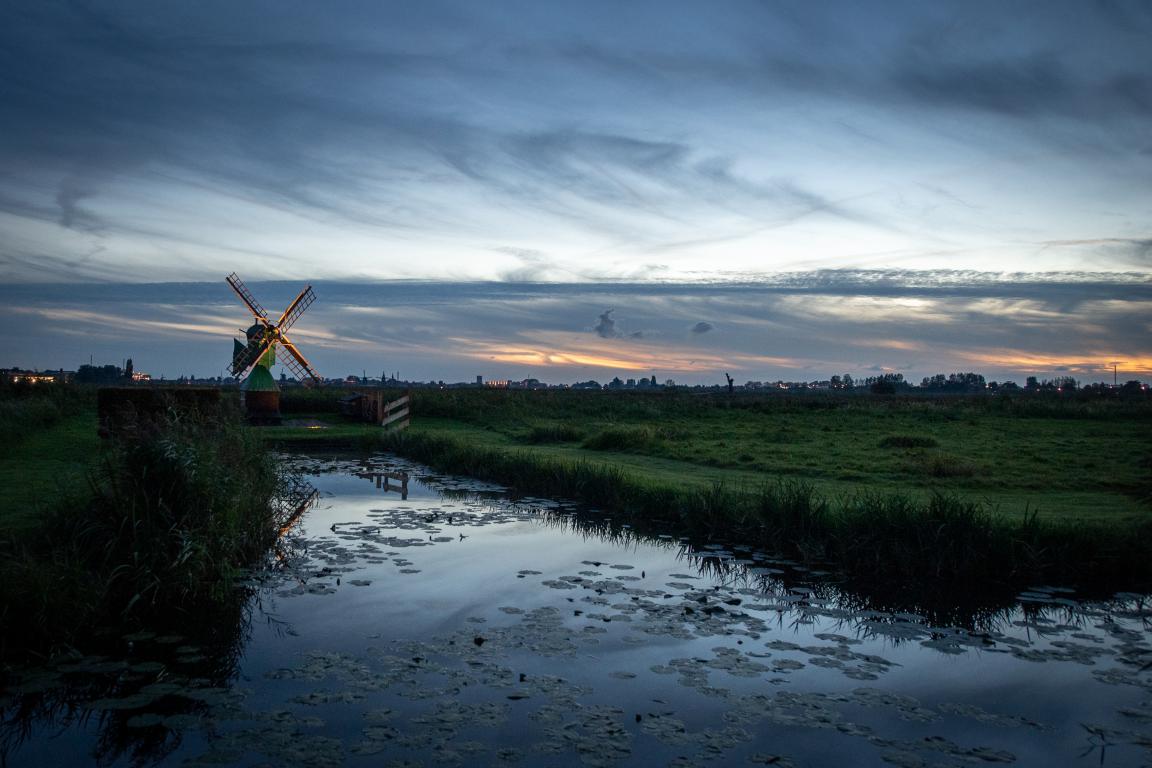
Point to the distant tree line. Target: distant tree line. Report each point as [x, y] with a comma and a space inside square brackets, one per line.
[955, 382]
[100, 374]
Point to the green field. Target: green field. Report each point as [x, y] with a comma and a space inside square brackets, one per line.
[1060, 460]
[50, 444]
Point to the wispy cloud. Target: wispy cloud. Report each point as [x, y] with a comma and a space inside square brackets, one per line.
[791, 328]
[413, 149]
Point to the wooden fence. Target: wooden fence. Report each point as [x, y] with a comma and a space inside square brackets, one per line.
[372, 406]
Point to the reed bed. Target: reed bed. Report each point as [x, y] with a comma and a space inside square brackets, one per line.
[886, 540]
[166, 522]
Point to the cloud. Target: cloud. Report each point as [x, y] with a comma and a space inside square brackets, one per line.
[791, 326]
[605, 327]
[1129, 251]
[1008, 86]
[72, 215]
[666, 183]
[702, 327]
[411, 140]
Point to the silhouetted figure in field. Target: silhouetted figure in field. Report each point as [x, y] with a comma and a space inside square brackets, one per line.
[729, 383]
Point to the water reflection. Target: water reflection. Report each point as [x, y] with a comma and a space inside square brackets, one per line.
[139, 689]
[446, 624]
[173, 674]
[388, 481]
[797, 586]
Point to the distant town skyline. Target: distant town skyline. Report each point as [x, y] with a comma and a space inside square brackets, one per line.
[577, 191]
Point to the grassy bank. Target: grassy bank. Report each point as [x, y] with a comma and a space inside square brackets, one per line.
[156, 528]
[891, 490]
[883, 540]
[1056, 458]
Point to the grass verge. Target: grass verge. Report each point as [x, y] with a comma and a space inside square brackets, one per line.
[1067, 459]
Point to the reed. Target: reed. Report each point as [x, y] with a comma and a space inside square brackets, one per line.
[167, 521]
[885, 540]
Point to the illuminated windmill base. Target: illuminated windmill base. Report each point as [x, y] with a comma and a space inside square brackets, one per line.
[259, 394]
[261, 397]
[256, 356]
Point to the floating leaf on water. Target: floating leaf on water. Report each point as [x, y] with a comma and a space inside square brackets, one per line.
[146, 720]
[182, 722]
[135, 701]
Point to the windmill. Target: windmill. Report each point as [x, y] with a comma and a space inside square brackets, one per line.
[257, 354]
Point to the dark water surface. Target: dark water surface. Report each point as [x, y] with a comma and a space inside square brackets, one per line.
[457, 627]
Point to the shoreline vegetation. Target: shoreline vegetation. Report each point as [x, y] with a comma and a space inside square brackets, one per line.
[150, 528]
[904, 494]
[948, 498]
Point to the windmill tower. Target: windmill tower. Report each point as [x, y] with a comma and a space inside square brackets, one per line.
[257, 354]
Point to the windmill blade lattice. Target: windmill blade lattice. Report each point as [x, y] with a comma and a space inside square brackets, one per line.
[295, 309]
[296, 363]
[250, 354]
[246, 296]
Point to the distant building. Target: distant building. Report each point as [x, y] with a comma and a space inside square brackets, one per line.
[20, 375]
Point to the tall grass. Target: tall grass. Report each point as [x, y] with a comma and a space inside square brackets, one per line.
[167, 520]
[482, 406]
[624, 439]
[885, 540]
[554, 433]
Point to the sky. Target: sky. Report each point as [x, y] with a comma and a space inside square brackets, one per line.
[779, 190]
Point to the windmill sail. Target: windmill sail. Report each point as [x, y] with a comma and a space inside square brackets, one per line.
[244, 357]
[246, 296]
[296, 363]
[296, 308]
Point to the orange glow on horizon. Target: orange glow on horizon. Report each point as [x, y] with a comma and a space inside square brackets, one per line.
[566, 350]
[1093, 362]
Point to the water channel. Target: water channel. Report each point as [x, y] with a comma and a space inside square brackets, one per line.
[440, 622]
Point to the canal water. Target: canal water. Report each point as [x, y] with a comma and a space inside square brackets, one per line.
[440, 622]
